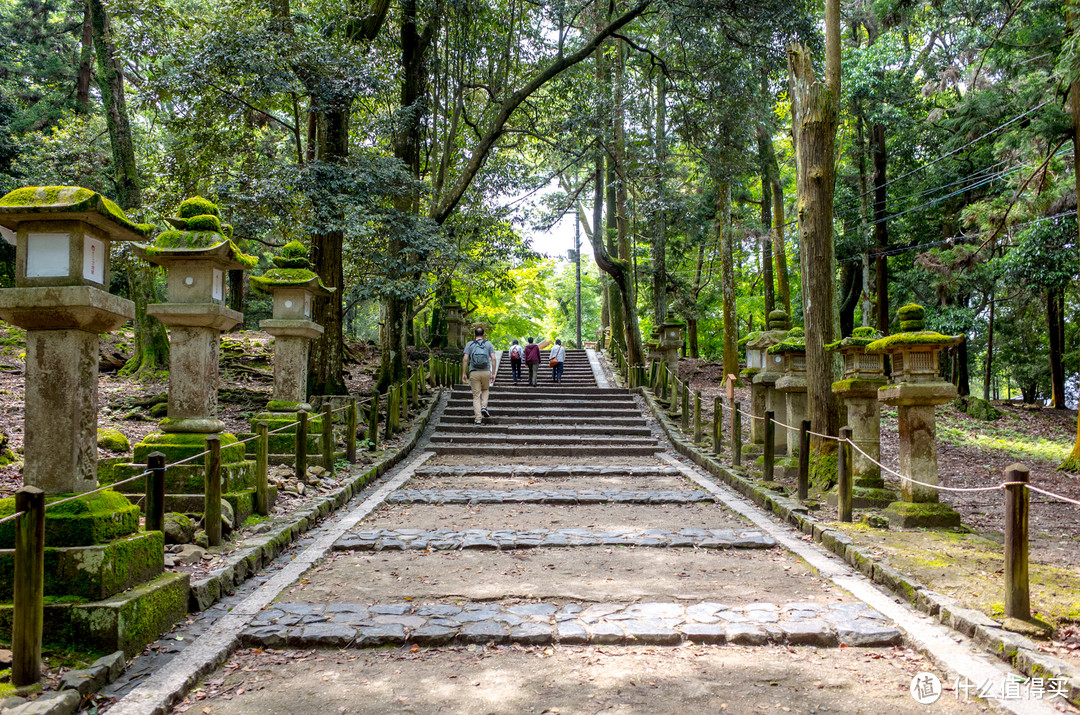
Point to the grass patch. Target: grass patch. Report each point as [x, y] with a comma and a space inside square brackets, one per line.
[1001, 438]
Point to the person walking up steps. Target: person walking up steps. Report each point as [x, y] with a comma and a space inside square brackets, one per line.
[532, 360]
[557, 357]
[515, 361]
[476, 366]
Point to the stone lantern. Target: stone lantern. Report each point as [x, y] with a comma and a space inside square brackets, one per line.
[196, 258]
[293, 287]
[915, 391]
[792, 385]
[671, 339]
[454, 322]
[62, 236]
[763, 394]
[864, 374]
[100, 563]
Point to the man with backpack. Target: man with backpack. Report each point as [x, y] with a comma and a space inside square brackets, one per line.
[515, 361]
[476, 366]
[532, 360]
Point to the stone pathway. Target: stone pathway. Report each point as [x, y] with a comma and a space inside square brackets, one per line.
[472, 562]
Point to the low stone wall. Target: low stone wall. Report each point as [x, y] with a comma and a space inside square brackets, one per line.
[1021, 652]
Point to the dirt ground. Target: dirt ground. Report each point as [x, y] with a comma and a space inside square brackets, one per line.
[572, 680]
[574, 574]
[523, 517]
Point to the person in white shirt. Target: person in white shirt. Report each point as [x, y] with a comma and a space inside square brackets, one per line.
[557, 357]
[516, 353]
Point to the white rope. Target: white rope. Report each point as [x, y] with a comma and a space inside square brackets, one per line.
[1050, 494]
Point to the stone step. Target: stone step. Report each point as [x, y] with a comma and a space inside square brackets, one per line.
[538, 439]
[547, 496]
[508, 539]
[509, 398]
[575, 391]
[577, 451]
[569, 414]
[553, 430]
[503, 419]
[540, 471]
[340, 625]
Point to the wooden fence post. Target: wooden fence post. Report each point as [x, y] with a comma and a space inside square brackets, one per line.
[684, 411]
[391, 411]
[262, 465]
[698, 426]
[350, 431]
[155, 492]
[718, 426]
[736, 435]
[29, 610]
[301, 445]
[373, 421]
[1017, 499]
[843, 475]
[328, 441]
[804, 459]
[770, 446]
[212, 497]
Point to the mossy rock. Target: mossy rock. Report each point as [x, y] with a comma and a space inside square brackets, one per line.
[911, 326]
[823, 469]
[113, 440]
[181, 445]
[930, 338]
[860, 337]
[6, 455]
[198, 206]
[159, 410]
[752, 336]
[293, 255]
[94, 519]
[977, 408]
[179, 528]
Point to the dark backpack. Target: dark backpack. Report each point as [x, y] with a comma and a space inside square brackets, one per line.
[479, 359]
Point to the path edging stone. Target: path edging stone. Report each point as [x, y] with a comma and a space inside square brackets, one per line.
[1020, 652]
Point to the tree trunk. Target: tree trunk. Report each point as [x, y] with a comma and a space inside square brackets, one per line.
[987, 375]
[658, 244]
[110, 77]
[598, 217]
[631, 328]
[850, 286]
[764, 145]
[780, 267]
[86, 64]
[963, 374]
[615, 289]
[815, 109]
[151, 345]
[1055, 319]
[881, 230]
[326, 368]
[723, 229]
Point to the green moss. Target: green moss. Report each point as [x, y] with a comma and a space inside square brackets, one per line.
[860, 337]
[293, 255]
[911, 311]
[184, 240]
[795, 342]
[198, 206]
[287, 278]
[922, 337]
[823, 469]
[227, 230]
[73, 199]
[204, 222]
[94, 519]
[752, 336]
[181, 445]
[113, 440]
[911, 326]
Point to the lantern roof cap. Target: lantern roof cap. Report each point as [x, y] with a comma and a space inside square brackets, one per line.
[198, 234]
[36, 203]
[859, 338]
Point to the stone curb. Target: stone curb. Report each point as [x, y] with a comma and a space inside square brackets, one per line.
[1020, 652]
[264, 548]
[548, 496]
[341, 625]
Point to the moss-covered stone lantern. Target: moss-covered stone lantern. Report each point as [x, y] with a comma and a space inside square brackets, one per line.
[792, 385]
[915, 391]
[98, 563]
[196, 256]
[62, 236]
[763, 394]
[864, 374]
[671, 340]
[454, 322]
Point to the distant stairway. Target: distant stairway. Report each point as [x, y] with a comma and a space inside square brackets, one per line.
[572, 418]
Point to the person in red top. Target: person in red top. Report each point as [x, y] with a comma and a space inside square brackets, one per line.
[532, 360]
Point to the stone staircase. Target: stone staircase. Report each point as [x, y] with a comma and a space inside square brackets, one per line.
[573, 418]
